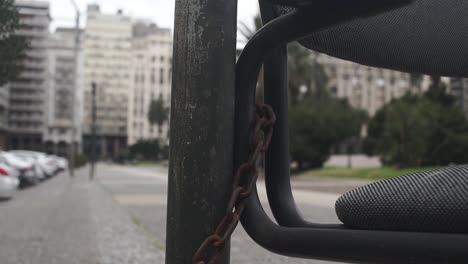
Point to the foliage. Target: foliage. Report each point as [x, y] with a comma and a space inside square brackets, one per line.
[399, 132]
[80, 160]
[364, 173]
[12, 46]
[438, 93]
[158, 113]
[317, 123]
[303, 71]
[145, 150]
[419, 130]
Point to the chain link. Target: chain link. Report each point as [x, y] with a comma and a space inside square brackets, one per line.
[243, 183]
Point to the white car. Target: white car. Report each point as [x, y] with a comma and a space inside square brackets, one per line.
[46, 164]
[62, 163]
[26, 168]
[9, 181]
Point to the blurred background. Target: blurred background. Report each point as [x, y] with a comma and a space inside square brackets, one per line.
[341, 114]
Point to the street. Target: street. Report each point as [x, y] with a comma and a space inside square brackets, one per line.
[119, 218]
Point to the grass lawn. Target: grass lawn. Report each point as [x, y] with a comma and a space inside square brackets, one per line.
[361, 173]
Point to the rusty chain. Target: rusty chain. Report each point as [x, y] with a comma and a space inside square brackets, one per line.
[243, 184]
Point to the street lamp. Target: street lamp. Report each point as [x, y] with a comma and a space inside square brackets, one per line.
[75, 88]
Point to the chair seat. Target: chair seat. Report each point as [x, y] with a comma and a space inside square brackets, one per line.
[423, 37]
[430, 201]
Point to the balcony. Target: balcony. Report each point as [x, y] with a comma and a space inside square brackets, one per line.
[20, 85]
[25, 129]
[33, 75]
[36, 54]
[31, 33]
[27, 118]
[27, 96]
[30, 64]
[26, 107]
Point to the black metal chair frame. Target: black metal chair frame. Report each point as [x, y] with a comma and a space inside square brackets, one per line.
[294, 236]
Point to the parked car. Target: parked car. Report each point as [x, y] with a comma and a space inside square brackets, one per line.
[25, 168]
[9, 181]
[62, 163]
[47, 164]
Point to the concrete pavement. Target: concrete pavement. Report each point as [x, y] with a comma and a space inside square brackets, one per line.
[118, 219]
[68, 221]
[142, 192]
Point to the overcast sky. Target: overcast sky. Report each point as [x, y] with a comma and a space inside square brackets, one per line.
[159, 11]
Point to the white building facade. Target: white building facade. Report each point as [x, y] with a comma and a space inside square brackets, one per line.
[27, 93]
[107, 57]
[367, 88]
[151, 80]
[64, 101]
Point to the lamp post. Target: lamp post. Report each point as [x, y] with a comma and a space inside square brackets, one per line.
[202, 125]
[93, 131]
[75, 88]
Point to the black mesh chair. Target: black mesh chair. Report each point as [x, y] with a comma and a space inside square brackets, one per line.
[417, 218]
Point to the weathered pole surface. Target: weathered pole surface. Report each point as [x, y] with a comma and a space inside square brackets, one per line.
[202, 124]
[93, 131]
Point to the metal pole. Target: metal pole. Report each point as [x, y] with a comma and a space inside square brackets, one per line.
[75, 88]
[202, 124]
[93, 131]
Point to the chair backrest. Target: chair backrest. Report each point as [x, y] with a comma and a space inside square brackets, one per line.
[421, 36]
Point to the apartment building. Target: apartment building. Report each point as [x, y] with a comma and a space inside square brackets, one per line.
[107, 57]
[367, 88]
[63, 100]
[151, 80]
[27, 93]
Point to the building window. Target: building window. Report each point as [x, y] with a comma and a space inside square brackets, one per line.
[161, 58]
[153, 77]
[161, 76]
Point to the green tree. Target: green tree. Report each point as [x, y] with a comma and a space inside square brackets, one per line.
[158, 113]
[317, 123]
[399, 132]
[145, 150]
[419, 130]
[12, 46]
[304, 71]
[449, 138]
[438, 93]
